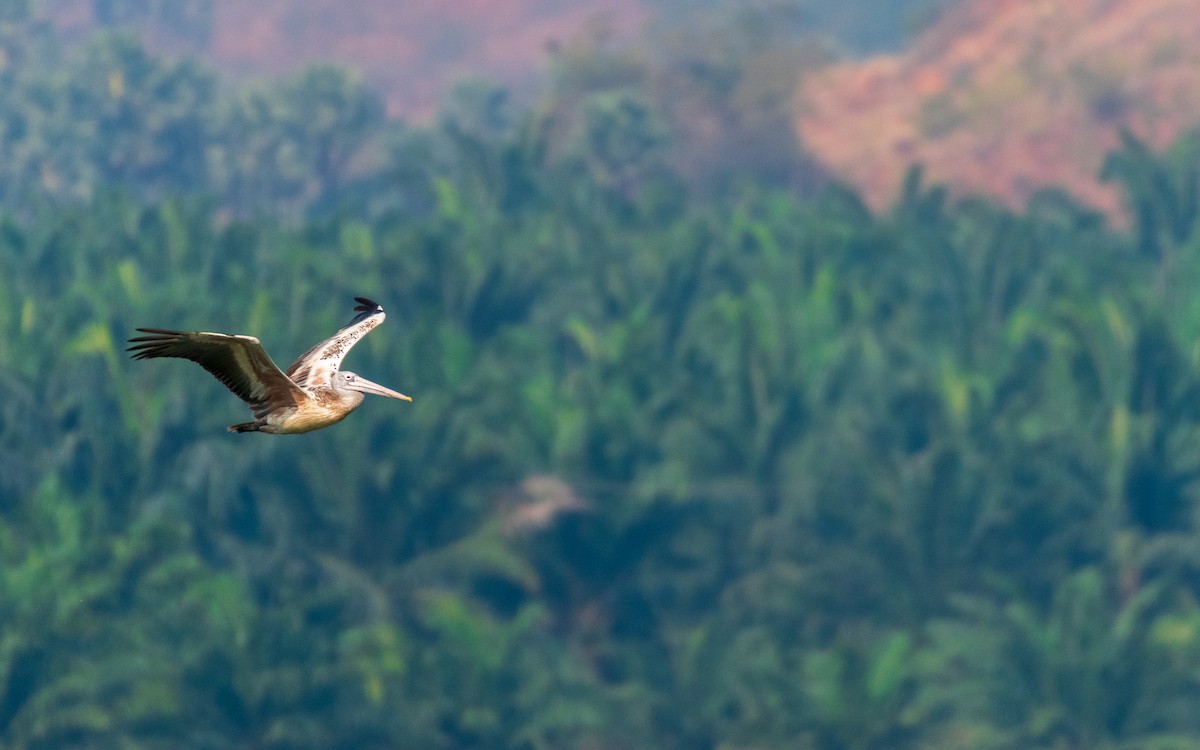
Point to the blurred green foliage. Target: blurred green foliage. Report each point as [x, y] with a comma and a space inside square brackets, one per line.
[686, 469]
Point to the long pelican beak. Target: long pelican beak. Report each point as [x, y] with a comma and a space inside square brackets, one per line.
[366, 386]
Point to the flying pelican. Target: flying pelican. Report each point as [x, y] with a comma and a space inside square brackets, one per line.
[312, 394]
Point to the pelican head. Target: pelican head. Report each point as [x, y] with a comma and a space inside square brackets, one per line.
[343, 380]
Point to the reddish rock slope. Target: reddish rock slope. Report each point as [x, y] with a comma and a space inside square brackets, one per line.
[1006, 96]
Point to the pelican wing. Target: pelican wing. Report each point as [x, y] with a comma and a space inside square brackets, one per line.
[239, 362]
[316, 367]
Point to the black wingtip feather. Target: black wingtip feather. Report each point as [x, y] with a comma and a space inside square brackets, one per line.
[146, 347]
[365, 309]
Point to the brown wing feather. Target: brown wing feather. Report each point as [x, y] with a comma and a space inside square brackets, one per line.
[239, 362]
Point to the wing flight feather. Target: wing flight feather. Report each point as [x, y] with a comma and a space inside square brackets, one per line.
[239, 362]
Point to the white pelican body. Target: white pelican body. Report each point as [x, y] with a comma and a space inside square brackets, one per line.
[312, 394]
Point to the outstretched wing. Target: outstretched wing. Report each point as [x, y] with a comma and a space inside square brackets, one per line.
[237, 361]
[317, 366]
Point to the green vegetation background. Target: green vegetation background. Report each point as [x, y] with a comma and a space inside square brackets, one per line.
[703, 453]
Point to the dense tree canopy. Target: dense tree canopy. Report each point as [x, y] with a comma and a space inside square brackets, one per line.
[684, 469]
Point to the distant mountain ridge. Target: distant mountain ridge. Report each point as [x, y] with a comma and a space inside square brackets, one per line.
[1008, 96]
[412, 52]
[1002, 97]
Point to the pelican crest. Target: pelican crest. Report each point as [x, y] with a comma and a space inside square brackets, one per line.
[312, 394]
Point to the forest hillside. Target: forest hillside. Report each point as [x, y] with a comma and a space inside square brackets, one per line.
[703, 454]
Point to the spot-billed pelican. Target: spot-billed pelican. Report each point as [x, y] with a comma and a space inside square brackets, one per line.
[312, 394]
